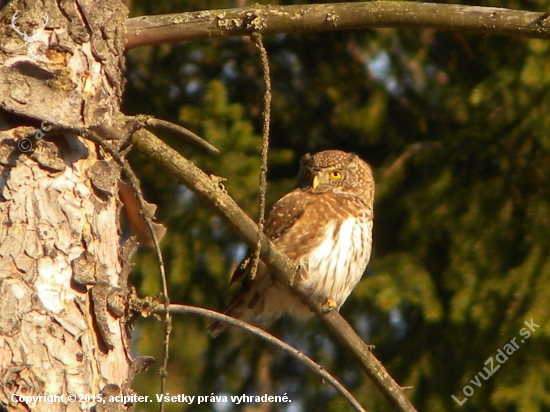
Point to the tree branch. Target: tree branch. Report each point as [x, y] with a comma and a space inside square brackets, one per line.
[187, 135]
[295, 353]
[214, 195]
[268, 19]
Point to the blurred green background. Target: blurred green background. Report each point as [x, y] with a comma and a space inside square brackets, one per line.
[457, 129]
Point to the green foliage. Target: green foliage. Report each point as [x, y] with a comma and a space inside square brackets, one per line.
[457, 129]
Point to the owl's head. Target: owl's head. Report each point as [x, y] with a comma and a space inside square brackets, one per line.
[336, 171]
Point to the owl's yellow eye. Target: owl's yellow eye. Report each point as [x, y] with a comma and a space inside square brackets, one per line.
[336, 175]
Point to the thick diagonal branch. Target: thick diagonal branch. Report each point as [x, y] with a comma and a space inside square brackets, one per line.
[307, 18]
[214, 195]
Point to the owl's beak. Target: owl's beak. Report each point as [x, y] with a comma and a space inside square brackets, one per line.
[315, 183]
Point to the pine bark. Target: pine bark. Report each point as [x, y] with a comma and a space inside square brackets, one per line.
[62, 298]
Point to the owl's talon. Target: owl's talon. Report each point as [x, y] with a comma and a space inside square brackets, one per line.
[328, 306]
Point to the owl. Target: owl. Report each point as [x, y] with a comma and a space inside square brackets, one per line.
[324, 226]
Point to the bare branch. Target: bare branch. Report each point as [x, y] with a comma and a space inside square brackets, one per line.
[268, 19]
[295, 353]
[184, 133]
[214, 195]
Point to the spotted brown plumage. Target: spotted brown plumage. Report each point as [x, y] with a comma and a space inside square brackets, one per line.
[325, 226]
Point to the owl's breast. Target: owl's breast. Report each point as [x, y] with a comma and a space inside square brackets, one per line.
[335, 266]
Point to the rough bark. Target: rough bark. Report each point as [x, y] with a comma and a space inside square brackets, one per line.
[61, 295]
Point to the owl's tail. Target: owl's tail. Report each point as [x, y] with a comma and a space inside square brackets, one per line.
[259, 302]
[242, 308]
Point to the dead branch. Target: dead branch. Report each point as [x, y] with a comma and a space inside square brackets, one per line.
[307, 18]
[187, 135]
[295, 353]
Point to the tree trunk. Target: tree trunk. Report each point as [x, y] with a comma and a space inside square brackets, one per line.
[61, 292]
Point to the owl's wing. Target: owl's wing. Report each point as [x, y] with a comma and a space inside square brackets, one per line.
[242, 270]
[285, 213]
[248, 305]
[282, 217]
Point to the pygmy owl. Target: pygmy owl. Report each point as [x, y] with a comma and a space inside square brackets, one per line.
[325, 227]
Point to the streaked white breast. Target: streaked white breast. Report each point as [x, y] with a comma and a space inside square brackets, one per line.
[337, 264]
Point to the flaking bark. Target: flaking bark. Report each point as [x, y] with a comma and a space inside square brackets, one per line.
[61, 296]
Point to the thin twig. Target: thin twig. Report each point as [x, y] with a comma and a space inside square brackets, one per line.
[186, 134]
[295, 353]
[266, 115]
